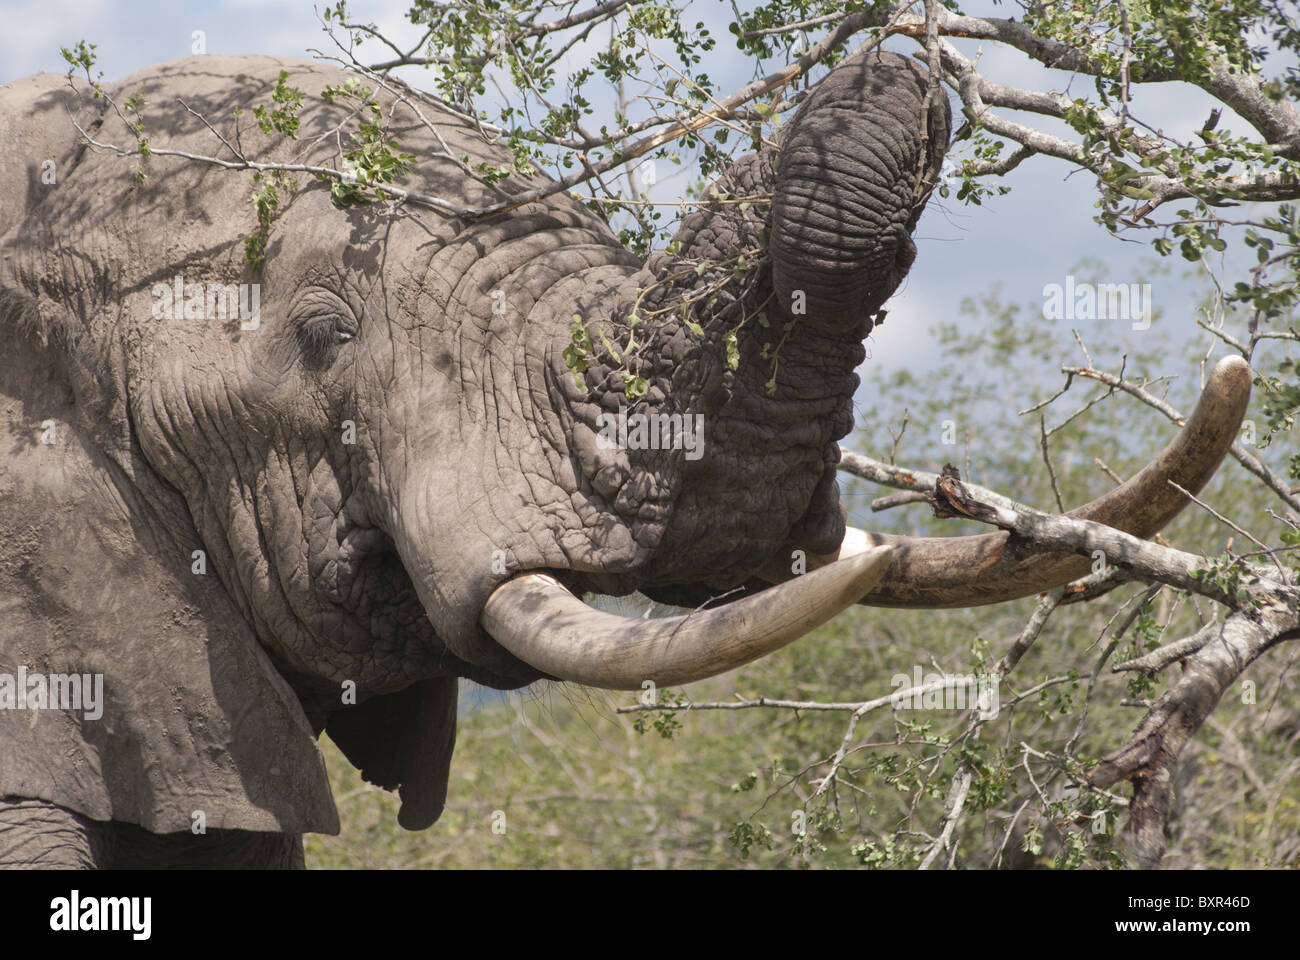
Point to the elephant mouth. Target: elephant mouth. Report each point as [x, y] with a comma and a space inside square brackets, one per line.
[541, 623]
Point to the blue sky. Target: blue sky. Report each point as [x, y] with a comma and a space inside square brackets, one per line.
[1023, 241]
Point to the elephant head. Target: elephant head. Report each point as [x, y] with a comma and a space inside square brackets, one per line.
[402, 470]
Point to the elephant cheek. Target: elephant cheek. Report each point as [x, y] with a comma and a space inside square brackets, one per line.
[821, 528]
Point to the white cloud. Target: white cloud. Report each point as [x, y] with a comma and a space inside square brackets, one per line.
[32, 37]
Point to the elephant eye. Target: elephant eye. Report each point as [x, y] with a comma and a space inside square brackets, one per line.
[324, 323]
[321, 334]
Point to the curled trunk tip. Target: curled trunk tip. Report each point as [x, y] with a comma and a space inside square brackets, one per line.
[855, 169]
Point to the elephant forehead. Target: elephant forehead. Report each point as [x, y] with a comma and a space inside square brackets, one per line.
[522, 257]
[189, 211]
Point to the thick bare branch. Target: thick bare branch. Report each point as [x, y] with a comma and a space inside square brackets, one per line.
[1275, 120]
[1062, 534]
[1150, 758]
[903, 478]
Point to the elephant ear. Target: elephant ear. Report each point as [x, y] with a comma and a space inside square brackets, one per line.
[180, 712]
[404, 741]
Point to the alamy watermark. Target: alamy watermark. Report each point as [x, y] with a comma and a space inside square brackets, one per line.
[53, 691]
[75, 913]
[936, 691]
[1098, 301]
[179, 300]
[652, 431]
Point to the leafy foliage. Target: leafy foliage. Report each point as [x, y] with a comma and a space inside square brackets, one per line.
[268, 191]
[283, 116]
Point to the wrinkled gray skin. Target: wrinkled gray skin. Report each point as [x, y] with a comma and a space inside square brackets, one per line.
[370, 562]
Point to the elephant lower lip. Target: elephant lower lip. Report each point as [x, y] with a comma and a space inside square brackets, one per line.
[502, 681]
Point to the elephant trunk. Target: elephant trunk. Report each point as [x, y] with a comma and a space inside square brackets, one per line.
[856, 166]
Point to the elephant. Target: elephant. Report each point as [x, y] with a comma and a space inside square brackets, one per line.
[389, 469]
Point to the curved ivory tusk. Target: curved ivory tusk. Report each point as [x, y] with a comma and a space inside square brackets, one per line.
[936, 572]
[546, 626]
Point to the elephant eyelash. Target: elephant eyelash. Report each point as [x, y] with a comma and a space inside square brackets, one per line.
[320, 335]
